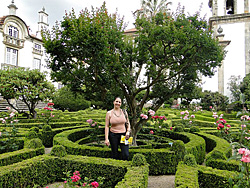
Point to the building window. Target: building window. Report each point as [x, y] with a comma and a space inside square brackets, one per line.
[13, 31]
[38, 46]
[11, 56]
[36, 63]
[230, 6]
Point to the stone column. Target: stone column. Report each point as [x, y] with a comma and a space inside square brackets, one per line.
[247, 48]
[224, 44]
[246, 6]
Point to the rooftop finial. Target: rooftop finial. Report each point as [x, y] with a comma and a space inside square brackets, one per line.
[43, 9]
[12, 1]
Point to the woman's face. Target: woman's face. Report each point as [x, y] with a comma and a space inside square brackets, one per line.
[117, 102]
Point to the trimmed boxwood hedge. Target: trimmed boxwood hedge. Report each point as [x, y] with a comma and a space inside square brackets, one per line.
[216, 144]
[162, 161]
[201, 176]
[20, 155]
[186, 176]
[46, 169]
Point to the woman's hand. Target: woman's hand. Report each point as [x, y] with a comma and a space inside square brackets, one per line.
[127, 136]
[107, 143]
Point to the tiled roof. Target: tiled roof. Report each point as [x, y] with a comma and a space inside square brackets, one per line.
[130, 30]
[2, 20]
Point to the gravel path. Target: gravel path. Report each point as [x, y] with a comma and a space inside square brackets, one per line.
[165, 181]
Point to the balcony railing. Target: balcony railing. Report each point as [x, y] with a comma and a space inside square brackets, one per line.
[12, 41]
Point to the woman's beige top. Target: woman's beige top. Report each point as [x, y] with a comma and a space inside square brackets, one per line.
[117, 122]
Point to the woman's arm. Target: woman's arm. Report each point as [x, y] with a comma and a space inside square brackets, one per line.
[107, 128]
[128, 126]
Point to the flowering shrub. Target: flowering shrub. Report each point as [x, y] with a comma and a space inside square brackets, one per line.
[186, 119]
[223, 128]
[96, 130]
[10, 142]
[77, 181]
[46, 114]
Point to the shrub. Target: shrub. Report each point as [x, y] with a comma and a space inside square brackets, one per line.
[178, 129]
[59, 151]
[31, 135]
[216, 154]
[36, 129]
[34, 143]
[189, 160]
[47, 128]
[194, 129]
[139, 160]
[179, 148]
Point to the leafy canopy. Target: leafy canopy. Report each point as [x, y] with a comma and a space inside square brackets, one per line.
[166, 55]
[29, 86]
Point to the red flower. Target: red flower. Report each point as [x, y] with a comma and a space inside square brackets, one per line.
[151, 132]
[50, 104]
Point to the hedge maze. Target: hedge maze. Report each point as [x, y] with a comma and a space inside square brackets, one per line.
[194, 152]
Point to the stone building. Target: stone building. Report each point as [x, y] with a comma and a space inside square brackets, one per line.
[18, 47]
[232, 19]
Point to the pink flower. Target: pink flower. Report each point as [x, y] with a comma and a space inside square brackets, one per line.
[210, 107]
[65, 181]
[151, 132]
[171, 128]
[190, 122]
[160, 127]
[90, 121]
[242, 151]
[228, 126]
[0, 133]
[151, 112]
[143, 116]
[95, 184]
[84, 184]
[245, 159]
[192, 116]
[182, 113]
[218, 128]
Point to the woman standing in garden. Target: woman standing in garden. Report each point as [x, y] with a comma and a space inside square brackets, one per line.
[117, 118]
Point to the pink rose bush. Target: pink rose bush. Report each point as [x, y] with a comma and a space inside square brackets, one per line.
[77, 181]
[96, 130]
[186, 118]
[47, 114]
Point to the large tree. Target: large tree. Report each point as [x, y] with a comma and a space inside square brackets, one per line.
[28, 86]
[165, 55]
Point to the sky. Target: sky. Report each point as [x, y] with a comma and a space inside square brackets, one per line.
[28, 9]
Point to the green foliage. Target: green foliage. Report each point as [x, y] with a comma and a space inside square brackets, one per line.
[47, 128]
[189, 160]
[186, 176]
[194, 129]
[48, 169]
[59, 151]
[178, 129]
[34, 143]
[138, 160]
[179, 148]
[29, 86]
[65, 99]
[31, 134]
[36, 129]
[215, 99]
[108, 63]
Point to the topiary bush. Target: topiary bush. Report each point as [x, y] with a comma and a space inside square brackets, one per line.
[189, 160]
[178, 129]
[194, 129]
[179, 148]
[139, 160]
[36, 129]
[34, 143]
[31, 135]
[47, 128]
[59, 151]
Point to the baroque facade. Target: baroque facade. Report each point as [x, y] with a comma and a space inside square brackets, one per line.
[18, 47]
